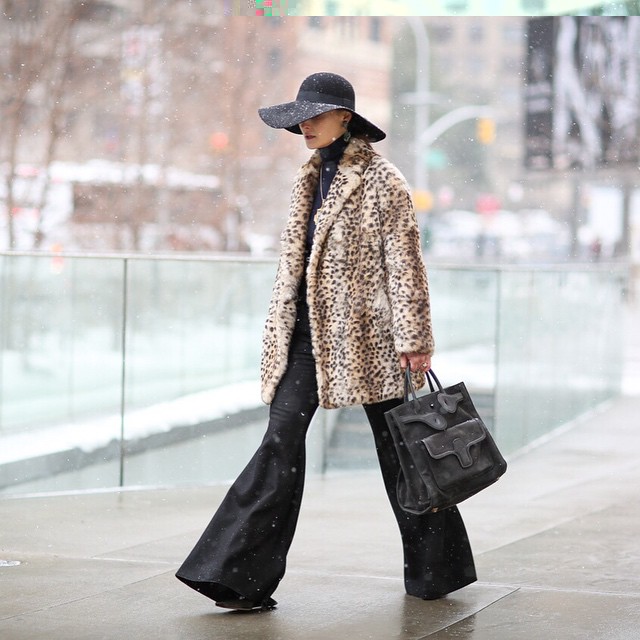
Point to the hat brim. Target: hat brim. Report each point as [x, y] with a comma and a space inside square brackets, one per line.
[290, 114]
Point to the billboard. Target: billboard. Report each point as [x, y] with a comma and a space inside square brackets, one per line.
[582, 92]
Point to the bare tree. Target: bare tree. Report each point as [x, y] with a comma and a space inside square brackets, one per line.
[241, 100]
[34, 75]
[161, 83]
[256, 166]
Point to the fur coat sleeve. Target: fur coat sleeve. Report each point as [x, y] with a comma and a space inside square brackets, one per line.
[367, 286]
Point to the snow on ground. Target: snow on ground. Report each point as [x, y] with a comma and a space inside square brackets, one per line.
[471, 364]
[90, 435]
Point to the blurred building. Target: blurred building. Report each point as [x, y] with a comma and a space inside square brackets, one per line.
[175, 86]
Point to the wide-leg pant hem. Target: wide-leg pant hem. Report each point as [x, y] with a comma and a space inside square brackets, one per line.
[214, 590]
[434, 594]
[218, 591]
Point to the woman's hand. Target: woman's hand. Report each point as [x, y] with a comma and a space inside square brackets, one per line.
[417, 361]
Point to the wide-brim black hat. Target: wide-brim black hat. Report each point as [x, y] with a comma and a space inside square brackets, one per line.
[319, 93]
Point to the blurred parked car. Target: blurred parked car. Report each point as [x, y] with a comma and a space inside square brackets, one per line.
[523, 236]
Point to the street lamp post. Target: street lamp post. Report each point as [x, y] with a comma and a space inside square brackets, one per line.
[420, 171]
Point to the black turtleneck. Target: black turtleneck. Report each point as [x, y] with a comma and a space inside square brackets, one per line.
[330, 156]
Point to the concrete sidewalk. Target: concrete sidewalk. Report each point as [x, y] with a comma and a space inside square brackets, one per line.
[556, 544]
[555, 540]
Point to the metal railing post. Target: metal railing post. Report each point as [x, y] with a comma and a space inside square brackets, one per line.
[123, 368]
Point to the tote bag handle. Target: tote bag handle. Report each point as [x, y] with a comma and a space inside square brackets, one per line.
[410, 390]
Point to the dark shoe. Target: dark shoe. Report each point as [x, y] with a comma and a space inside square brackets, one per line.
[428, 596]
[242, 604]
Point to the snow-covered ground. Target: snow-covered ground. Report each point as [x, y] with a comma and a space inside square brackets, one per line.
[89, 435]
[197, 408]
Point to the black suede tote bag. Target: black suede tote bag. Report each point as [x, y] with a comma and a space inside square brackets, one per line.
[446, 452]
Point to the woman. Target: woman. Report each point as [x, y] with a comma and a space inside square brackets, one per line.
[349, 311]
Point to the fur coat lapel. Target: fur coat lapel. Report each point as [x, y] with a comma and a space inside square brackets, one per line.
[347, 179]
[365, 261]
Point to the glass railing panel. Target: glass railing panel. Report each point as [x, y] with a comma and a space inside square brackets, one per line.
[193, 346]
[61, 364]
[559, 353]
[192, 326]
[536, 348]
[464, 306]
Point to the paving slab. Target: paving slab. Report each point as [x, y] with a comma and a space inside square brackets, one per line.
[342, 608]
[51, 583]
[598, 552]
[527, 614]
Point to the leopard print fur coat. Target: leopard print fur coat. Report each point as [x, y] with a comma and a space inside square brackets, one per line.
[366, 282]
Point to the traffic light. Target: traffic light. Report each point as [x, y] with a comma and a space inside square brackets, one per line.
[422, 200]
[219, 141]
[486, 130]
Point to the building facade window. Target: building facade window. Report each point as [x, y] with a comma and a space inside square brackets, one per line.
[22, 10]
[275, 58]
[375, 29]
[512, 33]
[476, 33]
[441, 33]
[98, 11]
[347, 27]
[511, 64]
[476, 65]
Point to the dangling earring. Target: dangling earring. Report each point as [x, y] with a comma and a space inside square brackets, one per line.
[347, 134]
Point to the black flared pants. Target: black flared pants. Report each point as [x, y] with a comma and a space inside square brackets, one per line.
[243, 550]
